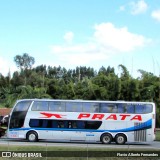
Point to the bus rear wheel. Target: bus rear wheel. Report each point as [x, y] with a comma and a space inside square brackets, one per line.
[120, 138]
[106, 138]
[32, 136]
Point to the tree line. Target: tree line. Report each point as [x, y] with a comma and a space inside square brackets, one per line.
[80, 83]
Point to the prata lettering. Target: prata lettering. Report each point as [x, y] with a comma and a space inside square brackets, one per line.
[115, 117]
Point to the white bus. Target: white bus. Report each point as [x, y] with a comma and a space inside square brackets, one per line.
[82, 120]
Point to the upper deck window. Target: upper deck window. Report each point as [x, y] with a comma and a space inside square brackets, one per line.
[91, 107]
[108, 108]
[40, 106]
[73, 107]
[57, 106]
[143, 109]
[129, 108]
[22, 106]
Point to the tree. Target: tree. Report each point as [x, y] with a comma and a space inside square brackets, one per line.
[24, 62]
[148, 86]
[125, 73]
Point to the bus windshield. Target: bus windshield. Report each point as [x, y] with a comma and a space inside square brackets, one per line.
[19, 113]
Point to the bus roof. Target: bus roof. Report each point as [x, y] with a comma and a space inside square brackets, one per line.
[80, 100]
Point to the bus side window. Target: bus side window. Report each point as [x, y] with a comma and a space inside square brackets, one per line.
[57, 106]
[121, 108]
[62, 124]
[44, 123]
[34, 123]
[115, 109]
[86, 107]
[40, 106]
[143, 109]
[43, 106]
[92, 124]
[72, 124]
[73, 107]
[65, 124]
[108, 108]
[80, 124]
[54, 124]
[91, 107]
[148, 108]
[103, 108]
[130, 108]
[139, 109]
[96, 109]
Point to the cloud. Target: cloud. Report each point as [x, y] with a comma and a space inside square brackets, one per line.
[80, 54]
[122, 8]
[5, 67]
[106, 41]
[139, 7]
[156, 15]
[117, 39]
[135, 8]
[68, 37]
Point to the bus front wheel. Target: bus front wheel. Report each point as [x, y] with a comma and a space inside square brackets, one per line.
[106, 138]
[120, 138]
[32, 136]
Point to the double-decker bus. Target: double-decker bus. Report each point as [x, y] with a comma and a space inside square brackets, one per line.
[82, 120]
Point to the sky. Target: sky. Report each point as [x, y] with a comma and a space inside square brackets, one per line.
[91, 33]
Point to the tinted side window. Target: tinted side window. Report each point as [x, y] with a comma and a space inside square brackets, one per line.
[130, 108]
[108, 108]
[62, 124]
[139, 109]
[73, 107]
[66, 124]
[34, 123]
[40, 123]
[57, 106]
[121, 108]
[40, 106]
[143, 108]
[91, 107]
[148, 108]
[135, 108]
[92, 124]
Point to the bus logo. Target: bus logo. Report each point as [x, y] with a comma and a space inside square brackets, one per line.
[49, 115]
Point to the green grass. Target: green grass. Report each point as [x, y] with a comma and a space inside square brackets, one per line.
[158, 135]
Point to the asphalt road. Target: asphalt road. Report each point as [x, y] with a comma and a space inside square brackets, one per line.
[152, 145]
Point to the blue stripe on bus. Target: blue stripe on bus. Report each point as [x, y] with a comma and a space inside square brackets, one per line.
[142, 126]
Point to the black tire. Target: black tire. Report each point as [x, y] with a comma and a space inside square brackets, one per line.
[32, 136]
[120, 138]
[106, 138]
